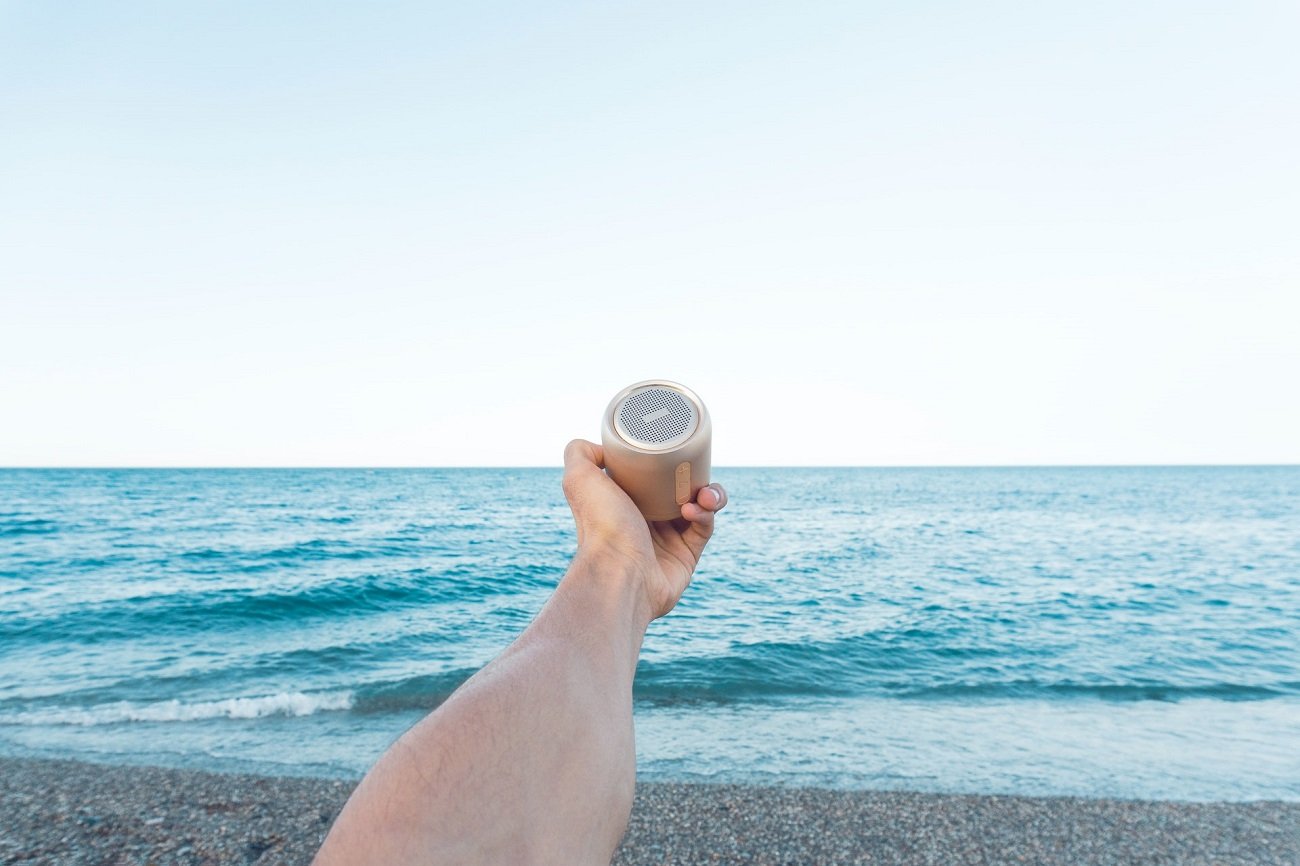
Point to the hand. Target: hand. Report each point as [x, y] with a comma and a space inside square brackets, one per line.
[664, 553]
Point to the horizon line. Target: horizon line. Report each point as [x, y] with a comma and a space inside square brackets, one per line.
[403, 466]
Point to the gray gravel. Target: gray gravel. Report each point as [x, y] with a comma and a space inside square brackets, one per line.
[66, 812]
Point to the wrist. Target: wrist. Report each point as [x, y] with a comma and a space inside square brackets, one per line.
[614, 579]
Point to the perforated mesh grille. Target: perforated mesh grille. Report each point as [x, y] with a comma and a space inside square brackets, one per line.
[656, 416]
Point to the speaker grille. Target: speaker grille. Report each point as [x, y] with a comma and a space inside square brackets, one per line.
[656, 416]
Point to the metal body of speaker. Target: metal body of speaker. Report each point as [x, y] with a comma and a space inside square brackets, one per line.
[657, 438]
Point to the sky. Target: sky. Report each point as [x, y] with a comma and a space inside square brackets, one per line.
[927, 233]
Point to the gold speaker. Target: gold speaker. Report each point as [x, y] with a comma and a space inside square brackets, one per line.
[657, 438]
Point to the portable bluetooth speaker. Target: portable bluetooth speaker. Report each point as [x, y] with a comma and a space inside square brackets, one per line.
[657, 437]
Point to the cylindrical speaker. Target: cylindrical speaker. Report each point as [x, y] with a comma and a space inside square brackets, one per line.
[657, 438]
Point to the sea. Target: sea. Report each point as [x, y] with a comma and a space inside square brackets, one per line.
[1119, 632]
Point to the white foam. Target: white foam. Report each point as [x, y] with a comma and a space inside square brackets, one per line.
[282, 704]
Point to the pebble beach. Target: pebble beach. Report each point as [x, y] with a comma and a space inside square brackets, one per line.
[76, 814]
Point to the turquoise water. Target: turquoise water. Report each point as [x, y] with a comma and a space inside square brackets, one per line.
[1127, 632]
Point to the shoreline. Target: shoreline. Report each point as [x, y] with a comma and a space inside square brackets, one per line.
[72, 812]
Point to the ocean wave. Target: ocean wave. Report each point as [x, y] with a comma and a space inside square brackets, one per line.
[421, 692]
[685, 682]
[312, 550]
[27, 526]
[927, 667]
[426, 691]
[200, 611]
[282, 704]
[1121, 692]
[904, 662]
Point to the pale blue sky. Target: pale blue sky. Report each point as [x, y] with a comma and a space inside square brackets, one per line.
[439, 234]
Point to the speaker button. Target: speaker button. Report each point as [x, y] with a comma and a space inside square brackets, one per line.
[683, 482]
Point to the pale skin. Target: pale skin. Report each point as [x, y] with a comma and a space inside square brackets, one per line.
[532, 760]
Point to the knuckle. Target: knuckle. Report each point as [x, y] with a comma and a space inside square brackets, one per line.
[569, 485]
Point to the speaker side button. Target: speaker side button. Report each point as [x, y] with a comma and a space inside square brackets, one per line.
[683, 475]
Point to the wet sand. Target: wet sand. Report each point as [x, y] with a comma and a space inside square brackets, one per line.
[68, 812]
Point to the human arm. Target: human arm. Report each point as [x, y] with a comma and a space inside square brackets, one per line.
[532, 759]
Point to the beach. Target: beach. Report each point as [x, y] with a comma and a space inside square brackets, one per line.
[72, 813]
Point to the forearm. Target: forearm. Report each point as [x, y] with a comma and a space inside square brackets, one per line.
[530, 761]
